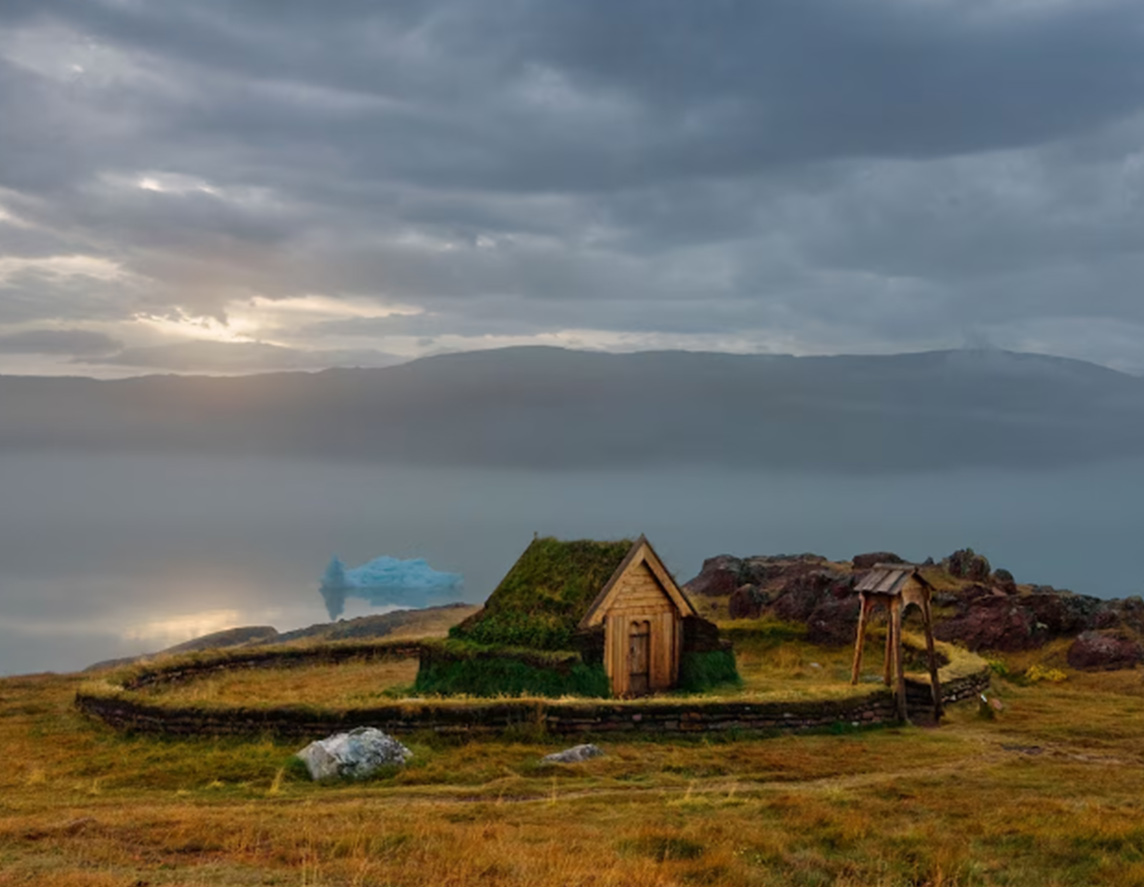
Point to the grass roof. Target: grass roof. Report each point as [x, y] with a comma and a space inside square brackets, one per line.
[541, 600]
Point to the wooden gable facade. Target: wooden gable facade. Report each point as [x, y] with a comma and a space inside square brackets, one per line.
[641, 609]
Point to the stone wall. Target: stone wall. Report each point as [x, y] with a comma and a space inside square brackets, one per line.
[658, 716]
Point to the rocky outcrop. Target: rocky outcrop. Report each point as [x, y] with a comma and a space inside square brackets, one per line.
[1062, 613]
[965, 563]
[993, 618]
[720, 576]
[989, 610]
[871, 559]
[834, 622]
[993, 622]
[747, 602]
[1105, 651]
[725, 574]
[1004, 580]
[802, 594]
[1126, 613]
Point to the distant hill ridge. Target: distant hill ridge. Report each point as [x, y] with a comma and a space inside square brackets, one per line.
[427, 622]
[554, 408]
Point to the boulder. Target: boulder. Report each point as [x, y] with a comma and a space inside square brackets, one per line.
[720, 576]
[1127, 613]
[774, 570]
[747, 602]
[1105, 651]
[353, 755]
[834, 622]
[968, 594]
[965, 563]
[871, 559]
[803, 593]
[993, 622]
[574, 755]
[1062, 612]
[1004, 580]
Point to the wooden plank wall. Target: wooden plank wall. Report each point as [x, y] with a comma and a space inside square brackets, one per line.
[640, 597]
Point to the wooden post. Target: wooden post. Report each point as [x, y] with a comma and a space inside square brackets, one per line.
[863, 610]
[888, 667]
[935, 683]
[900, 690]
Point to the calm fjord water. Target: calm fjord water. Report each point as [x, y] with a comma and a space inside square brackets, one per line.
[105, 556]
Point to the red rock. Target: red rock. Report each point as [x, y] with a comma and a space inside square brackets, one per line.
[1105, 650]
[993, 623]
[746, 602]
[834, 622]
[720, 576]
[871, 558]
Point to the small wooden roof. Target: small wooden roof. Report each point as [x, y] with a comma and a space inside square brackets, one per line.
[890, 579]
[640, 552]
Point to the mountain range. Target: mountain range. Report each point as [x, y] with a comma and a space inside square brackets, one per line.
[550, 408]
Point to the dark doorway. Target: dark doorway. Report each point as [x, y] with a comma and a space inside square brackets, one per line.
[639, 658]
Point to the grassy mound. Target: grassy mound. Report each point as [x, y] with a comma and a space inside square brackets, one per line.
[459, 668]
[700, 672]
[542, 599]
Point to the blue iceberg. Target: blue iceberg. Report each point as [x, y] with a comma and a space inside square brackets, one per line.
[387, 581]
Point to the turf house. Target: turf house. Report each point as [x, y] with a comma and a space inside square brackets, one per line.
[582, 618]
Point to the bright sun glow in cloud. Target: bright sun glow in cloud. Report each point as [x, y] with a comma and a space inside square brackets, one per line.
[175, 629]
[320, 306]
[206, 329]
[260, 319]
[61, 266]
[173, 184]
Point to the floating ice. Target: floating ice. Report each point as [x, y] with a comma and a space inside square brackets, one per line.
[386, 580]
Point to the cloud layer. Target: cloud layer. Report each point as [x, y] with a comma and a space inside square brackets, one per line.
[226, 188]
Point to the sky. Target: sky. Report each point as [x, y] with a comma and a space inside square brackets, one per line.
[232, 187]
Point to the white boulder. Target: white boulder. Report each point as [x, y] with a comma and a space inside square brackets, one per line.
[574, 755]
[353, 755]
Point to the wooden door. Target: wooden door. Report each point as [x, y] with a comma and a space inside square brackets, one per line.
[639, 658]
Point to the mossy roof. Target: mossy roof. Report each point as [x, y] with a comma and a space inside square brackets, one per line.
[541, 600]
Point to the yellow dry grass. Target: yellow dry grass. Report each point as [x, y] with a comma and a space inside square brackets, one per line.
[775, 664]
[359, 682]
[1047, 793]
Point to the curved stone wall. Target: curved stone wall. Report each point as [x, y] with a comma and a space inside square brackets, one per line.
[557, 718]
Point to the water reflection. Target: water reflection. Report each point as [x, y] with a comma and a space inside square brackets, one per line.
[109, 556]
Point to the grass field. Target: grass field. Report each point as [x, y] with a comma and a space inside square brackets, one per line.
[774, 662]
[358, 682]
[1049, 792]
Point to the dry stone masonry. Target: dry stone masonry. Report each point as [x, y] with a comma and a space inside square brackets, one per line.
[662, 716]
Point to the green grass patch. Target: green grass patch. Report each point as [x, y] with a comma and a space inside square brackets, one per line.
[507, 675]
[699, 672]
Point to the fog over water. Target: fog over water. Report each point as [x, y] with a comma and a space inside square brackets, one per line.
[105, 556]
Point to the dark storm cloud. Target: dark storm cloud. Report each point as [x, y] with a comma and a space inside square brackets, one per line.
[821, 174]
